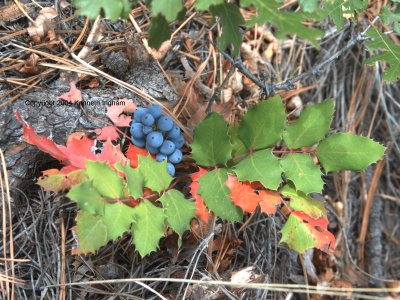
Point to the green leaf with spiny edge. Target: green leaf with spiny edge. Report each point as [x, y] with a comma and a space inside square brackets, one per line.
[286, 22]
[311, 126]
[118, 218]
[301, 202]
[390, 54]
[148, 227]
[159, 31]
[112, 9]
[211, 144]
[215, 193]
[134, 179]
[58, 181]
[168, 8]
[156, 176]
[106, 181]
[263, 124]
[345, 151]
[230, 19]
[205, 4]
[178, 210]
[301, 233]
[390, 18]
[260, 166]
[301, 170]
[238, 147]
[308, 5]
[87, 197]
[91, 232]
[341, 10]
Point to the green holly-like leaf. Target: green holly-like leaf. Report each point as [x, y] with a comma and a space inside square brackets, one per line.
[117, 218]
[341, 10]
[308, 5]
[178, 210]
[148, 227]
[391, 18]
[230, 19]
[238, 147]
[260, 166]
[112, 9]
[301, 170]
[106, 181]
[390, 53]
[168, 8]
[301, 202]
[87, 197]
[134, 179]
[159, 31]
[345, 151]
[205, 4]
[211, 144]
[215, 193]
[301, 233]
[287, 22]
[311, 127]
[59, 181]
[155, 173]
[91, 232]
[263, 124]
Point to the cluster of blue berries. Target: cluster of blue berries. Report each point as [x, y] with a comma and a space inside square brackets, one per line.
[156, 132]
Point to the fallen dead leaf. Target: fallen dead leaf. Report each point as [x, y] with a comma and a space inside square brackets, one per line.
[116, 112]
[44, 26]
[74, 95]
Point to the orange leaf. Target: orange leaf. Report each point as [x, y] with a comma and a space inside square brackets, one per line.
[242, 194]
[107, 132]
[114, 112]
[269, 201]
[201, 210]
[58, 180]
[74, 95]
[132, 154]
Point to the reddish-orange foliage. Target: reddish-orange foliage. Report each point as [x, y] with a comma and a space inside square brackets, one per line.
[74, 95]
[107, 132]
[201, 210]
[114, 112]
[269, 201]
[132, 154]
[242, 194]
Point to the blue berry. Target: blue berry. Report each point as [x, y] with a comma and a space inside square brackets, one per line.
[155, 111]
[175, 157]
[179, 142]
[175, 132]
[147, 129]
[165, 123]
[152, 150]
[167, 148]
[154, 139]
[171, 169]
[138, 142]
[147, 119]
[139, 113]
[161, 157]
[137, 130]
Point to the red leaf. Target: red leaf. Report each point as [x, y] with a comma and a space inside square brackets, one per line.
[132, 154]
[44, 144]
[242, 194]
[107, 132]
[114, 112]
[111, 154]
[269, 201]
[324, 240]
[201, 210]
[79, 149]
[74, 95]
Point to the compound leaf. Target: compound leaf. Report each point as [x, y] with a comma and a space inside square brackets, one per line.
[168, 8]
[215, 193]
[155, 173]
[341, 10]
[211, 144]
[308, 5]
[260, 166]
[262, 125]
[345, 151]
[87, 197]
[311, 127]
[112, 9]
[57, 180]
[106, 181]
[178, 210]
[91, 232]
[301, 202]
[159, 31]
[238, 147]
[118, 218]
[205, 4]
[148, 227]
[201, 210]
[390, 53]
[230, 19]
[242, 194]
[134, 179]
[301, 170]
[301, 233]
[286, 22]
[269, 201]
